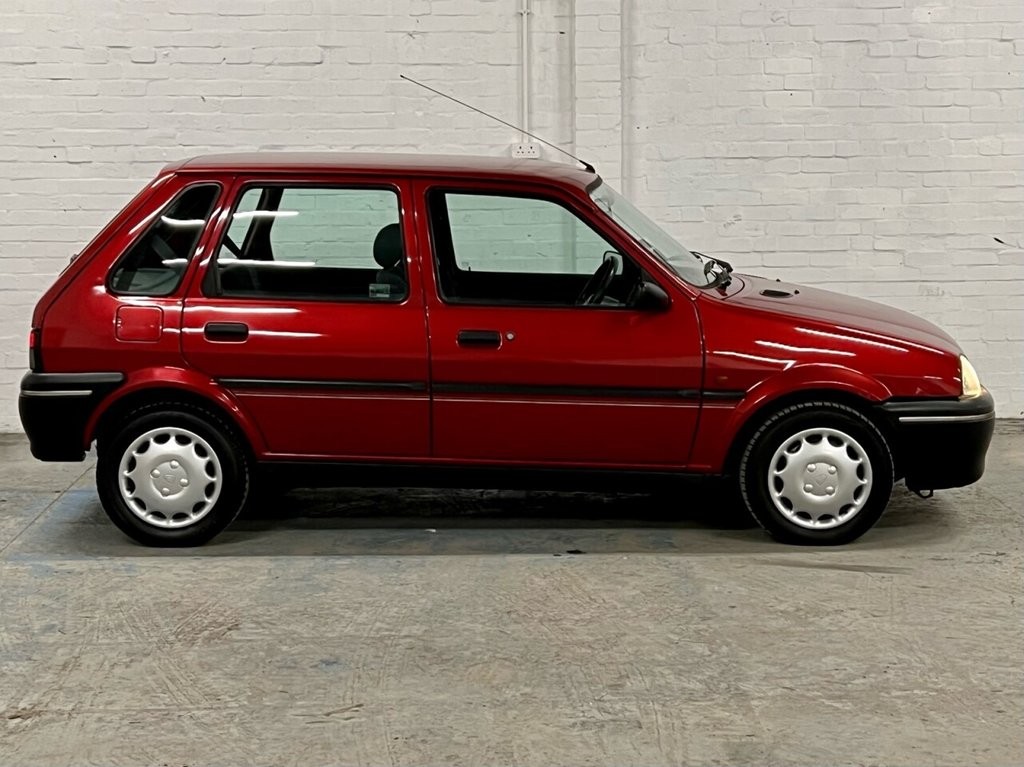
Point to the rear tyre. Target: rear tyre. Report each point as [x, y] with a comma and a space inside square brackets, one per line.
[172, 475]
[816, 473]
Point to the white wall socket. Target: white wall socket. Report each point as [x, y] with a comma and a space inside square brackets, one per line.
[526, 151]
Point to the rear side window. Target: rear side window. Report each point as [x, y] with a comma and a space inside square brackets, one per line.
[155, 263]
[313, 243]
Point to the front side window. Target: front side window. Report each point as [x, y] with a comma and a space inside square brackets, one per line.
[155, 263]
[494, 248]
[312, 243]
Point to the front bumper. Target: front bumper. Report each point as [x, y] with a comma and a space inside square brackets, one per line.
[941, 443]
[54, 408]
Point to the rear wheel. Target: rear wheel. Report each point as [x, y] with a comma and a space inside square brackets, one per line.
[173, 475]
[817, 473]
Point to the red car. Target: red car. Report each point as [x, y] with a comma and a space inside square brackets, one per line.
[482, 322]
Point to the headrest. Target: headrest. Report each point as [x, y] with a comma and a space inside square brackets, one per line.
[387, 246]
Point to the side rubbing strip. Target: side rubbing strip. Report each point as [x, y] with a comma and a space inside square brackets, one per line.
[722, 395]
[565, 391]
[354, 386]
[975, 418]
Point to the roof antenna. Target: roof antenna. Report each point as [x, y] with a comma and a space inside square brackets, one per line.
[586, 165]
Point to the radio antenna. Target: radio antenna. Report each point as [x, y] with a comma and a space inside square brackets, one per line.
[587, 166]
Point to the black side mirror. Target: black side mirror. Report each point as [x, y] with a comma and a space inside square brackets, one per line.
[650, 297]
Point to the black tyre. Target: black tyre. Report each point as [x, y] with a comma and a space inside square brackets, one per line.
[172, 475]
[817, 473]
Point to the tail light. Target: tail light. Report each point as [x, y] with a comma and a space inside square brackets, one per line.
[35, 350]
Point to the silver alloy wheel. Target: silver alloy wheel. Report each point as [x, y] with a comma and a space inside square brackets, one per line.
[170, 477]
[819, 478]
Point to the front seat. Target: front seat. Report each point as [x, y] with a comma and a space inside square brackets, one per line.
[389, 255]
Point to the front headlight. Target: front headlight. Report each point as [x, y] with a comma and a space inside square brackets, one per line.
[969, 378]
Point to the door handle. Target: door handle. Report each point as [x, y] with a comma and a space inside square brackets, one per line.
[490, 338]
[226, 331]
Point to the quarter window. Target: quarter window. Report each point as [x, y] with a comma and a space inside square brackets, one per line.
[314, 243]
[155, 264]
[504, 249]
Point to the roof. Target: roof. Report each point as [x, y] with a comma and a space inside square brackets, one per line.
[373, 162]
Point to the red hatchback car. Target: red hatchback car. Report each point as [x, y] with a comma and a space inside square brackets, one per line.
[483, 322]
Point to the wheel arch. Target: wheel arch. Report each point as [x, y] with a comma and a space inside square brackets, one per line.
[149, 390]
[751, 420]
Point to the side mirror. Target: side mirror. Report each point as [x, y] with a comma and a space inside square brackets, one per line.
[650, 297]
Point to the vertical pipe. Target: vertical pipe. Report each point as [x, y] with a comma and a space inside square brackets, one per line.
[625, 135]
[572, 73]
[524, 73]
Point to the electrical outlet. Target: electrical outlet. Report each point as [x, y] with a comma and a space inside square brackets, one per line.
[526, 151]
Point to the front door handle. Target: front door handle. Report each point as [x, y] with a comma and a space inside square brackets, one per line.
[226, 331]
[491, 338]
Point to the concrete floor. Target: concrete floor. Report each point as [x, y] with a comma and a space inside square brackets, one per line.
[420, 627]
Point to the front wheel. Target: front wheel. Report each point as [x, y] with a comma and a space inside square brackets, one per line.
[817, 473]
[172, 476]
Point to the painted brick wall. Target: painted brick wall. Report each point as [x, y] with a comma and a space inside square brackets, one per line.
[873, 146]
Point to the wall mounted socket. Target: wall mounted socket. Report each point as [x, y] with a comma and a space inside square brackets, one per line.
[526, 151]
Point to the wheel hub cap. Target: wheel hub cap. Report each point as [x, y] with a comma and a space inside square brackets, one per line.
[170, 477]
[819, 478]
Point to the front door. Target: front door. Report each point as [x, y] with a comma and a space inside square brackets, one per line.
[310, 312]
[538, 355]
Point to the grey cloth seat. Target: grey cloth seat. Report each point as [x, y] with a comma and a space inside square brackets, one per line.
[390, 255]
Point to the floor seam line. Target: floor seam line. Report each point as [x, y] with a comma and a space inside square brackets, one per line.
[75, 481]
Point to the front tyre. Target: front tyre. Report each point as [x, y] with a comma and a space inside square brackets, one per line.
[817, 473]
[173, 475]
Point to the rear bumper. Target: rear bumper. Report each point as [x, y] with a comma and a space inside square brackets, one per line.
[941, 443]
[55, 407]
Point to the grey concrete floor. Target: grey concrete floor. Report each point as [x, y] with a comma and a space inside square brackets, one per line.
[422, 627]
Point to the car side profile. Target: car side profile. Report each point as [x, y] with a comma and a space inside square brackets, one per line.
[397, 319]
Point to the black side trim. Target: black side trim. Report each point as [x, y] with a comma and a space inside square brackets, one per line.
[566, 391]
[612, 392]
[59, 381]
[55, 407]
[289, 384]
[723, 395]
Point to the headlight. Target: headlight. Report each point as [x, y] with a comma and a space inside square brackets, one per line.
[969, 378]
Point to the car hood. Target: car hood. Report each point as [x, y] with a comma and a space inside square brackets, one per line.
[845, 312]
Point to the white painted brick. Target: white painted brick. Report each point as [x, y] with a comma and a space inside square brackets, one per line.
[862, 144]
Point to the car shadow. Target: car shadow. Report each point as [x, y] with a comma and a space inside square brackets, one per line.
[704, 520]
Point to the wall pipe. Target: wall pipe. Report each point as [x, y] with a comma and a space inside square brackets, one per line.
[524, 72]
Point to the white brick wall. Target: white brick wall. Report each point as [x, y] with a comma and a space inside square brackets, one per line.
[872, 146]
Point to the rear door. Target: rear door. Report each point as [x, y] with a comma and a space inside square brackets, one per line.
[529, 364]
[309, 310]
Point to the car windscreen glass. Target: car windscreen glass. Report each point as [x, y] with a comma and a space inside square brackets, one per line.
[693, 268]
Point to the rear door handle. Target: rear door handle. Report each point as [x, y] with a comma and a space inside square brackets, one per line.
[226, 331]
[479, 338]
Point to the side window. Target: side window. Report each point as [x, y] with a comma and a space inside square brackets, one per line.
[493, 248]
[313, 243]
[154, 265]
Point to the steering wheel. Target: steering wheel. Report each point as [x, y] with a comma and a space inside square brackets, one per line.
[600, 281]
